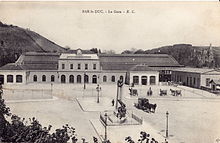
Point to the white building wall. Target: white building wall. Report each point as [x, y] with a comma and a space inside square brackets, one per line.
[14, 73]
[145, 73]
[75, 63]
[209, 76]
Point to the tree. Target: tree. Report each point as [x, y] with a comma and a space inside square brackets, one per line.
[109, 52]
[94, 50]
[20, 130]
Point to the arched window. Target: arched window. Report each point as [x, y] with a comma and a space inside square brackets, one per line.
[113, 78]
[94, 79]
[43, 78]
[104, 78]
[10, 78]
[78, 79]
[121, 78]
[52, 78]
[152, 80]
[35, 78]
[144, 80]
[71, 79]
[2, 79]
[86, 78]
[136, 79]
[63, 79]
[19, 78]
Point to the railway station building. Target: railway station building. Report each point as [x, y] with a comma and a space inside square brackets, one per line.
[82, 66]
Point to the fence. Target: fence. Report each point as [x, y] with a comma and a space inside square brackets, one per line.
[138, 119]
[26, 94]
[112, 120]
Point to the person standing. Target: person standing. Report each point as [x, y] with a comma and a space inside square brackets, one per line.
[113, 102]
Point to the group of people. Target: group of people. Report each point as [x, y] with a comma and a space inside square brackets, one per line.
[144, 138]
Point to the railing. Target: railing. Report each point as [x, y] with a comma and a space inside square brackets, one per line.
[26, 94]
[138, 119]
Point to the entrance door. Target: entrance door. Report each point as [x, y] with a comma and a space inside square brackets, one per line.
[94, 79]
[1, 79]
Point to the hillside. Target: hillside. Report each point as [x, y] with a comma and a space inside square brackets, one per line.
[192, 56]
[15, 40]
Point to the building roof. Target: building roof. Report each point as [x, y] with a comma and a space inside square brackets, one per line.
[194, 70]
[11, 66]
[122, 62]
[127, 61]
[67, 56]
[141, 68]
[34, 61]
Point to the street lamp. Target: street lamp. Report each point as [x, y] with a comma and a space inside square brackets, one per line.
[167, 114]
[98, 90]
[106, 126]
[84, 81]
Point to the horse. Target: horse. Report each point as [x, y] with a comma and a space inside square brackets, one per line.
[153, 106]
[178, 92]
[173, 92]
[163, 92]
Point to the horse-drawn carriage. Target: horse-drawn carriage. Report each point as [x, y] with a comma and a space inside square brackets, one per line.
[175, 92]
[133, 92]
[163, 92]
[144, 105]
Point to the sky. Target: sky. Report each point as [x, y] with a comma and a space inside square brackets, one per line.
[147, 25]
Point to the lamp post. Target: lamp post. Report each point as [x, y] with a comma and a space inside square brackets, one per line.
[98, 90]
[106, 126]
[84, 87]
[167, 114]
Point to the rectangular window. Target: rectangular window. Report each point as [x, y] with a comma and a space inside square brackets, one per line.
[86, 66]
[187, 81]
[94, 66]
[63, 66]
[79, 66]
[194, 81]
[71, 66]
[207, 81]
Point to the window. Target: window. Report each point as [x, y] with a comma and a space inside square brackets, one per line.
[63, 66]
[71, 79]
[104, 78]
[94, 79]
[52, 78]
[190, 81]
[10, 78]
[152, 80]
[86, 66]
[94, 66]
[113, 78]
[43, 78]
[63, 79]
[207, 81]
[71, 66]
[136, 79]
[144, 80]
[35, 78]
[79, 66]
[121, 78]
[187, 81]
[78, 78]
[194, 81]
[19, 78]
[86, 78]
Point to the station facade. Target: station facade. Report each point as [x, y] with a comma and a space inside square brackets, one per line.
[80, 66]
